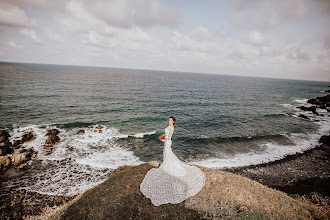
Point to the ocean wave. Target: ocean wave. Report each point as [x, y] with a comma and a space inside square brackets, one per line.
[141, 135]
[301, 101]
[94, 154]
[270, 151]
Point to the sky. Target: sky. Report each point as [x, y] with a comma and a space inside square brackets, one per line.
[266, 38]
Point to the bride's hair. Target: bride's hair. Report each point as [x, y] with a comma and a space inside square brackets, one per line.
[173, 120]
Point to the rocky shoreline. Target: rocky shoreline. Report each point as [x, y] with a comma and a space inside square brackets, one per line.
[303, 173]
[306, 174]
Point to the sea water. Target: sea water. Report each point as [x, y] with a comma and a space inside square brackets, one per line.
[221, 120]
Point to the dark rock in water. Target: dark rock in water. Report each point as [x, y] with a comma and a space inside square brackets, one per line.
[25, 138]
[52, 139]
[82, 131]
[325, 139]
[312, 109]
[314, 101]
[327, 91]
[320, 100]
[69, 149]
[4, 136]
[99, 127]
[5, 162]
[323, 106]
[5, 146]
[303, 116]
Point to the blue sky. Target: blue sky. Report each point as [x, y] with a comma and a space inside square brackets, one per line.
[279, 39]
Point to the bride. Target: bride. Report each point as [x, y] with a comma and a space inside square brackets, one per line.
[174, 181]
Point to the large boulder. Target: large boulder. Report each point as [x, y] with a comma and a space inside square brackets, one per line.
[52, 139]
[21, 157]
[325, 139]
[312, 109]
[81, 132]
[320, 100]
[5, 146]
[5, 162]
[25, 138]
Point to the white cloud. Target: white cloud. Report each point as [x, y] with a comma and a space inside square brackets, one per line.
[32, 35]
[126, 13]
[296, 53]
[14, 45]
[267, 14]
[256, 38]
[11, 15]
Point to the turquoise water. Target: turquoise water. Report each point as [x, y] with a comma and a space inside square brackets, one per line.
[222, 120]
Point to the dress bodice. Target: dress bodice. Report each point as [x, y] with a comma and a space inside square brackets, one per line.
[168, 133]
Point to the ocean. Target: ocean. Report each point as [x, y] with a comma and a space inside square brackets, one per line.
[221, 120]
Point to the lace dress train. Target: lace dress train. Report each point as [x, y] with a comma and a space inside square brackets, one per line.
[174, 181]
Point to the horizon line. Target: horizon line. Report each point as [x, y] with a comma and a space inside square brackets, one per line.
[174, 71]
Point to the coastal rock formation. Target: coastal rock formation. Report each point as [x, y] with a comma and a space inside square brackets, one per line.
[52, 139]
[325, 100]
[81, 132]
[319, 102]
[303, 116]
[5, 162]
[25, 138]
[5, 146]
[312, 109]
[224, 196]
[21, 158]
[18, 158]
[325, 140]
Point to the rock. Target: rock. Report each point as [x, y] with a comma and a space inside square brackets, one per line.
[99, 127]
[17, 199]
[320, 100]
[242, 209]
[5, 146]
[323, 106]
[95, 130]
[325, 139]
[25, 138]
[4, 135]
[154, 164]
[69, 149]
[20, 158]
[52, 139]
[5, 162]
[327, 91]
[82, 131]
[303, 116]
[100, 131]
[314, 101]
[312, 109]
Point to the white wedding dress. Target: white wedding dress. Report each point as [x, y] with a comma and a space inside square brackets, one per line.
[173, 181]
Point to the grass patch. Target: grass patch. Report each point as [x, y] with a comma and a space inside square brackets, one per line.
[224, 196]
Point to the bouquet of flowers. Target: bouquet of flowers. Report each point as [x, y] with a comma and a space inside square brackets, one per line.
[162, 137]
